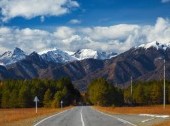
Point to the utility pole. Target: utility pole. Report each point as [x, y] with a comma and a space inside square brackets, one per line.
[116, 84]
[164, 97]
[131, 86]
[131, 91]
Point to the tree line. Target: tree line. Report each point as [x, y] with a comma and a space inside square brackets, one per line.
[21, 93]
[147, 93]
[102, 93]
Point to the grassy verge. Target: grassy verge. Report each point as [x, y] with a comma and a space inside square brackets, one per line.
[166, 123]
[25, 116]
[138, 110]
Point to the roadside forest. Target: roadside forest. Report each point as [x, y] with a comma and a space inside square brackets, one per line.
[21, 93]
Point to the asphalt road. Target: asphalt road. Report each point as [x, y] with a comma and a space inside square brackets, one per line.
[86, 116]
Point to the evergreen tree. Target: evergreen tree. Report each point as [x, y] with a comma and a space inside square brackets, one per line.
[1, 90]
[156, 94]
[101, 93]
[24, 97]
[13, 100]
[5, 98]
[47, 98]
[168, 94]
[57, 99]
[139, 95]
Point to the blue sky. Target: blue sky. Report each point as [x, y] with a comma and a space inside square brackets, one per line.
[75, 24]
[101, 13]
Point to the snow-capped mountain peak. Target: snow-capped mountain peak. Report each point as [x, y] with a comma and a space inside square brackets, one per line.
[155, 44]
[10, 57]
[17, 52]
[86, 54]
[6, 54]
[57, 55]
[89, 53]
[46, 51]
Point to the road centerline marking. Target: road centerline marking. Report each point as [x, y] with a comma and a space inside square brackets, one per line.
[81, 114]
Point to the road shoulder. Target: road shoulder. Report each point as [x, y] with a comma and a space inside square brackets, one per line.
[136, 119]
[33, 120]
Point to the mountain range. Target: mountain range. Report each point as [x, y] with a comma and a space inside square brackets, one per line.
[54, 55]
[144, 62]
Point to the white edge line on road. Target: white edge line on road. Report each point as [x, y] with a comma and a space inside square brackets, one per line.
[82, 121]
[49, 117]
[147, 120]
[119, 119]
[157, 116]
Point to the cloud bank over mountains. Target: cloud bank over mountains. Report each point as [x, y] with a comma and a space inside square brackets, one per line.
[117, 38]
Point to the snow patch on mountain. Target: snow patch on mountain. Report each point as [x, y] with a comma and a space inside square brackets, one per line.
[86, 54]
[2, 64]
[46, 51]
[155, 44]
[57, 56]
[70, 52]
[7, 54]
[89, 53]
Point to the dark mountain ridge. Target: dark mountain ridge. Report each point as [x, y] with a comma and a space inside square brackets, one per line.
[141, 63]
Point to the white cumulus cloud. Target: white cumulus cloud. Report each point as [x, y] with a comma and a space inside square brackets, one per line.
[165, 1]
[32, 8]
[64, 32]
[74, 21]
[111, 32]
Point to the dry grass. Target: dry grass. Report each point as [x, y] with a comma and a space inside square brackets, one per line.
[12, 116]
[166, 123]
[136, 110]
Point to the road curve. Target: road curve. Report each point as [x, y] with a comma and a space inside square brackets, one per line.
[86, 116]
